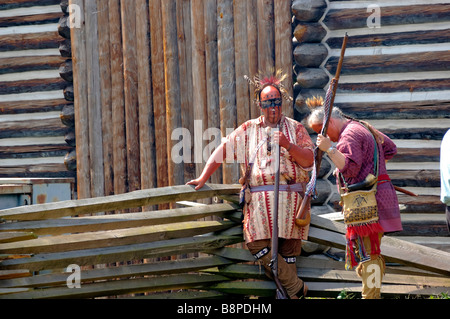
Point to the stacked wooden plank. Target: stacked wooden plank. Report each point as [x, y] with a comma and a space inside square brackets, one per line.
[47, 250]
[67, 236]
[32, 139]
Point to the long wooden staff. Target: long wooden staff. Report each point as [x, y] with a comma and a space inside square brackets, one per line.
[300, 218]
[281, 292]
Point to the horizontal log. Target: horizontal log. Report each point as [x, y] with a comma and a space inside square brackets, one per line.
[417, 178]
[113, 222]
[70, 161]
[404, 110]
[309, 32]
[309, 78]
[33, 128]
[422, 204]
[15, 4]
[392, 39]
[395, 86]
[36, 171]
[70, 137]
[69, 93]
[391, 15]
[310, 55]
[42, 18]
[29, 41]
[429, 224]
[29, 86]
[30, 151]
[119, 237]
[33, 106]
[120, 253]
[417, 155]
[308, 11]
[392, 63]
[68, 115]
[139, 198]
[64, 26]
[414, 129]
[66, 70]
[65, 48]
[29, 63]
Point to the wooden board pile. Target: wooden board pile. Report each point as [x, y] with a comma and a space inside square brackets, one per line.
[48, 250]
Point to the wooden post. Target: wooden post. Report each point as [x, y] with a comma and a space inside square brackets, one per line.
[242, 64]
[252, 38]
[173, 107]
[266, 36]
[94, 101]
[184, 31]
[128, 13]
[212, 79]
[106, 97]
[78, 38]
[283, 49]
[159, 100]
[199, 81]
[117, 102]
[227, 88]
[146, 123]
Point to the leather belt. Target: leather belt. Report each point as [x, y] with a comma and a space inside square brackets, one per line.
[297, 188]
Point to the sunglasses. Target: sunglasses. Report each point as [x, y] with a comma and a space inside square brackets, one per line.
[271, 103]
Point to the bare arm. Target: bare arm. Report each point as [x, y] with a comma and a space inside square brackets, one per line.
[213, 163]
[302, 156]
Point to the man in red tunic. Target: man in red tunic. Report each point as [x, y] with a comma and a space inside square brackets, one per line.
[353, 156]
[252, 143]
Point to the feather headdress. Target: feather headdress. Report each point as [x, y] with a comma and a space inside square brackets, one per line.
[275, 79]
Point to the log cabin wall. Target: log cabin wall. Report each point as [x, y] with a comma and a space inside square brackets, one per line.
[35, 88]
[396, 75]
[147, 71]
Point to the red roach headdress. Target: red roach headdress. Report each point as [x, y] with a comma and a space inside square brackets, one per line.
[275, 79]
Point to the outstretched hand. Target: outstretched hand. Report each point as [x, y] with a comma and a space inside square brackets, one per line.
[198, 183]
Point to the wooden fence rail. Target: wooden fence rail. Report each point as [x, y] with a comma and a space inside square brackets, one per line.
[130, 253]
